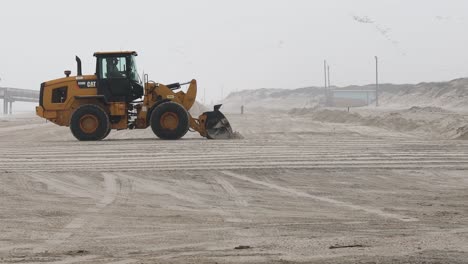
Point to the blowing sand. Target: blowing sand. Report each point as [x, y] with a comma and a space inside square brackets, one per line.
[421, 122]
[310, 187]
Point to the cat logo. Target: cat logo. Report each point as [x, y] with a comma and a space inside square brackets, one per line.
[91, 84]
[87, 84]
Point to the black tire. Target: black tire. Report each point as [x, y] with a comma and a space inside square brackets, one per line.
[174, 109]
[107, 133]
[99, 120]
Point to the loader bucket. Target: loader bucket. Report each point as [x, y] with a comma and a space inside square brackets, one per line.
[217, 126]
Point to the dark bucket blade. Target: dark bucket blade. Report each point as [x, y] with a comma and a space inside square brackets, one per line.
[217, 125]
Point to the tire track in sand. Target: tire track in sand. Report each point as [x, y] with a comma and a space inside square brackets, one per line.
[233, 195]
[108, 197]
[331, 201]
[232, 192]
[22, 127]
[160, 188]
[196, 202]
[64, 187]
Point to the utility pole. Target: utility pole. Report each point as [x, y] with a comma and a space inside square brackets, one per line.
[5, 106]
[4, 100]
[376, 81]
[325, 72]
[325, 78]
[328, 73]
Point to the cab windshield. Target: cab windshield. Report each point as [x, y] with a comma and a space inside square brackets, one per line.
[118, 67]
[133, 70]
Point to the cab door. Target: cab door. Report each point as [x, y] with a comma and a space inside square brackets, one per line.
[113, 79]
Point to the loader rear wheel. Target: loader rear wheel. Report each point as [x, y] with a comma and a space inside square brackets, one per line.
[107, 133]
[169, 120]
[89, 122]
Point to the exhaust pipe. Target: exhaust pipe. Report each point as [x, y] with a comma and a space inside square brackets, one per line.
[78, 65]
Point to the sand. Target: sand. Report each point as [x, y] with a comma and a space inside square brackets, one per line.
[451, 95]
[419, 122]
[299, 188]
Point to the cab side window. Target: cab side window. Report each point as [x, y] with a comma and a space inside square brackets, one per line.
[113, 67]
[59, 95]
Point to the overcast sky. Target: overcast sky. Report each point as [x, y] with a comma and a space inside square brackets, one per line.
[236, 45]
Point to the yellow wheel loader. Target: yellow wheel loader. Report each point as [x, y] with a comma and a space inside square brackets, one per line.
[115, 97]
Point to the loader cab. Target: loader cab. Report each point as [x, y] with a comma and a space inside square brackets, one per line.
[118, 78]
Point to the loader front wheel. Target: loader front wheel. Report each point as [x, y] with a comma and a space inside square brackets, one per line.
[89, 122]
[169, 120]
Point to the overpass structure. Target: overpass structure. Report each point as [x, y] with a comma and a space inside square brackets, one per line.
[360, 97]
[11, 95]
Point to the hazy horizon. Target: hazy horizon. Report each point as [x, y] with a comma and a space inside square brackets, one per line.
[231, 46]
